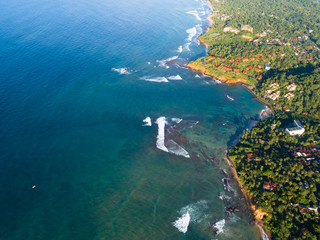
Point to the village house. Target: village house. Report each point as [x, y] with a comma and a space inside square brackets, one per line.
[297, 128]
[267, 67]
[274, 85]
[292, 87]
[258, 69]
[282, 54]
[289, 96]
[267, 93]
[270, 186]
[274, 96]
[259, 77]
[286, 109]
[246, 28]
[231, 29]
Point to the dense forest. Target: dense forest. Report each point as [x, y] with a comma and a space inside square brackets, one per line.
[273, 47]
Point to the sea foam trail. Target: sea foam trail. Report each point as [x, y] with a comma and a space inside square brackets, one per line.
[147, 122]
[219, 226]
[230, 98]
[157, 79]
[180, 49]
[174, 148]
[192, 32]
[161, 121]
[195, 13]
[182, 223]
[177, 77]
[177, 120]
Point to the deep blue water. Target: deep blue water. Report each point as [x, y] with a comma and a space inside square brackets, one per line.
[72, 127]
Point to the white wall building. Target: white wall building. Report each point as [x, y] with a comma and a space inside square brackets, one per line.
[297, 129]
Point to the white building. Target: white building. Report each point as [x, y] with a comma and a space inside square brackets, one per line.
[297, 129]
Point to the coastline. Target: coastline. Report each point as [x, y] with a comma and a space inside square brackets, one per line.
[256, 213]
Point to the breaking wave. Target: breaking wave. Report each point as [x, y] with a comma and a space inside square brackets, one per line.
[219, 226]
[192, 33]
[180, 49]
[162, 63]
[157, 79]
[161, 121]
[182, 223]
[195, 13]
[187, 46]
[230, 98]
[178, 77]
[120, 70]
[147, 122]
[177, 120]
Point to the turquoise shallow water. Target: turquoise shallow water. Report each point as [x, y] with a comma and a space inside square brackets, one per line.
[73, 127]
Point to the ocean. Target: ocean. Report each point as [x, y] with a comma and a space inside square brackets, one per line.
[77, 79]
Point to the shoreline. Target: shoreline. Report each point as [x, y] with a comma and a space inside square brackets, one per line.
[257, 214]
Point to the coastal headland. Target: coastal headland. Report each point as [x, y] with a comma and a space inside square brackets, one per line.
[277, 60]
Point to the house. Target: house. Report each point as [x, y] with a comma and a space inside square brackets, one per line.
[292, 87]
[258, 69]
[244, 72]
[259, 77]
[226, 69]
[282, 54]
[297, 128]
[289, 96]
[249, 67]
[274, 96]
[246, 28]
[274, 85]
[246, 59]
[267, 67]
[268, 185]
[267, 92]
[286, 109]
[231, 29]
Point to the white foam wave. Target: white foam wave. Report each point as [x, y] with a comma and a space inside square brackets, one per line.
[187, 46]
[230, 98]
[198, 32]
[197, 76]
[182, 223]
[219, 226]
[174, 148]
[196, 210]
[161, 121]
[157, 79]
[162, 63]
[177, 120]
[180, 49]
[195, 13]
[147, 122]
[263, 234]
[191, 33]
[120, 70]
[177, 77]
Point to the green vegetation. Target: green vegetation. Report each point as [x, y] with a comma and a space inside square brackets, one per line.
[274, 47]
